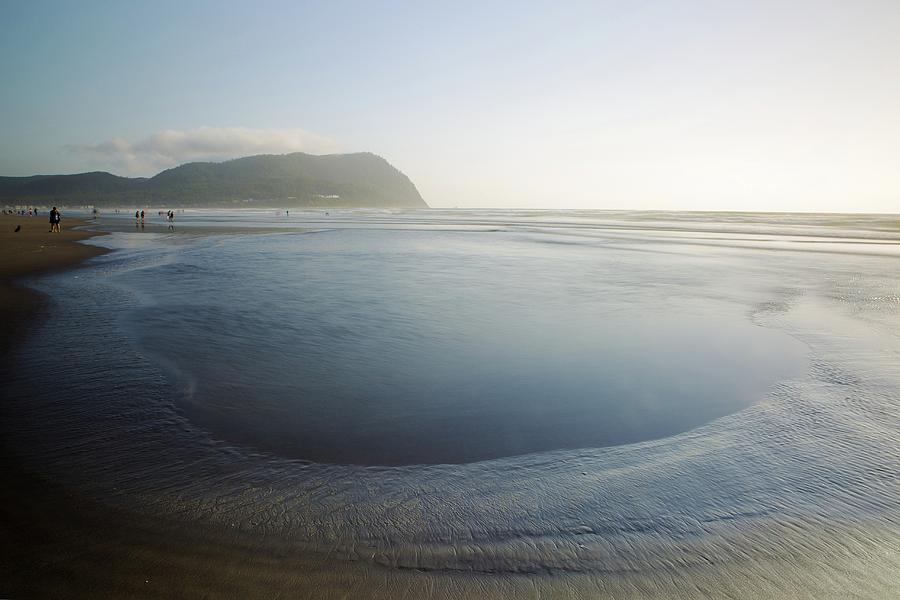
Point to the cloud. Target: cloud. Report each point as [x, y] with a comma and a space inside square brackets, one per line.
[170, 148]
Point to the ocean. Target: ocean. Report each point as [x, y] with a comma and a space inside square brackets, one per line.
[576, 395]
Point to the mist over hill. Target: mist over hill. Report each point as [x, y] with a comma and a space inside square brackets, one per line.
[298, 179]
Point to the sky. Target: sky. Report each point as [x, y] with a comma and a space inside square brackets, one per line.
[675, 105]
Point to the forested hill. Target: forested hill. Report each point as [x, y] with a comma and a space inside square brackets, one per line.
[362, 180]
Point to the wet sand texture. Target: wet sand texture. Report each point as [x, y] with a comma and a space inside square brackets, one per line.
[55, 543]
[30, 251]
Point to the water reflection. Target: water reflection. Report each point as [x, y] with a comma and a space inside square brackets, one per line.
[387, 349]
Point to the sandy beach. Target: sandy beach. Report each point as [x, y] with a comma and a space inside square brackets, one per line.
[53, 542]
[30, 251]
[111, 489]
[26, 501]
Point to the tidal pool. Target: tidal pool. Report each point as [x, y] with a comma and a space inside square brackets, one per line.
[411, 347]
[446, 402]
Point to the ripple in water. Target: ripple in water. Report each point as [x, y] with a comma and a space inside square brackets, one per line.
[375, 349]
[196, 372]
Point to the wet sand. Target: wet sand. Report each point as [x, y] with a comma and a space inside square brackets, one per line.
[30, 251]
[26, 501]
[57, 544]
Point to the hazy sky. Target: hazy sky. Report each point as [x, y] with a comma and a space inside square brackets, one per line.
[713, 105]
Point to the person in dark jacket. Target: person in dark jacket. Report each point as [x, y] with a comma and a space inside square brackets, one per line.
[54, 220]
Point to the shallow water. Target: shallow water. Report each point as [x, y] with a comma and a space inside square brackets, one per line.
[476, 391]
[411, 347]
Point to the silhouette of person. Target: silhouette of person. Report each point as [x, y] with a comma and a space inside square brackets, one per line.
[54, 220]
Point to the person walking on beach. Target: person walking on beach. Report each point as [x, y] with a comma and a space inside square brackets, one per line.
[142, 216]
[54, 220]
